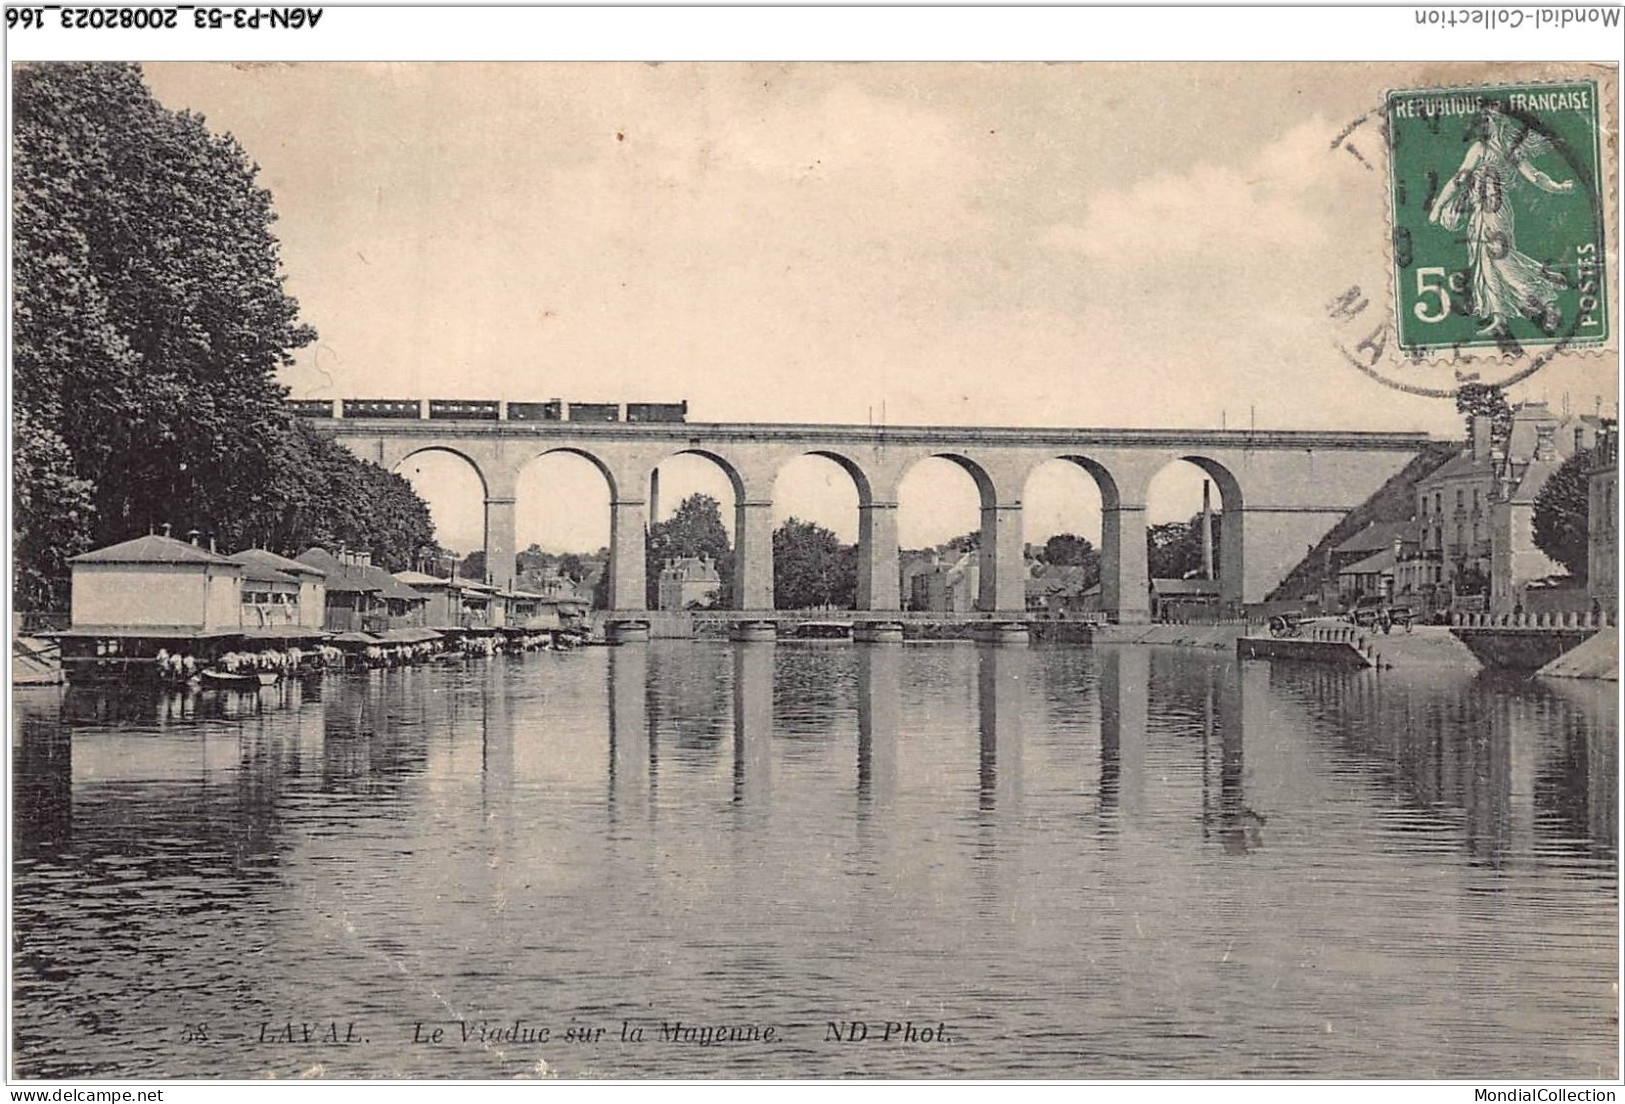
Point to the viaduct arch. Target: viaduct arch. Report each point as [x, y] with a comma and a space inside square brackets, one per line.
[1281, 491]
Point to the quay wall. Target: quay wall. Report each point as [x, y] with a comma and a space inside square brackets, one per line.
[1526, 641]
[1520, 649]
[1341, 653]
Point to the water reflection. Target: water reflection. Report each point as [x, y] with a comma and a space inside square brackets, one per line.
[42, 798]
[632, 754]
[880, 690]
[753, 722]
[1125, 677]
[1521, 765]
[1199, 861]
[1000, 702]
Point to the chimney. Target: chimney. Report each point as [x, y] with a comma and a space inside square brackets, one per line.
[212, 548]
[1544, 448]
[1207, 529]
[1579, 439]
[193, 534]
[166, 529]
[1481, 437]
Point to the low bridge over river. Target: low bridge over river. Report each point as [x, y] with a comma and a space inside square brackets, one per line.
[1281, 491]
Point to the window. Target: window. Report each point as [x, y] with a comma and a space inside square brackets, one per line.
[1475, 501]
[1458, 498]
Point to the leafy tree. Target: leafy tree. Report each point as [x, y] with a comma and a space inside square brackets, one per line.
[151, 316]
[1473, 399]
[1068, 549]
[1174, 549]
[571, 567]
[149, 321]
[812, 568]
[472, 565]
[1562, 515]
[694, 530]
[320, 493]
[965, 542]
[52, 513]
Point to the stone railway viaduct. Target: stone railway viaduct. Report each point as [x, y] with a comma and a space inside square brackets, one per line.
[1280, 491]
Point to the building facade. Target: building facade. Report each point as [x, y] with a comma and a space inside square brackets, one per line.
[688, 582]
[1474, 514]
[1602, 521]
[156, 581]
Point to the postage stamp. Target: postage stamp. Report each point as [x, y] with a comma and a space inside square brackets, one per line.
[1497, 218]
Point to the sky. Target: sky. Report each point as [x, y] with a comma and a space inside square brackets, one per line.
[950, 244]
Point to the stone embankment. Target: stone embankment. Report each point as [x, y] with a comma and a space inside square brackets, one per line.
[1187, 636]
[1421, 647]
[1596, 658]
[1526, 642]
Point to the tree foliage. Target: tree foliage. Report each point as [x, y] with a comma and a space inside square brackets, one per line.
[320, 493]
[1562, 515]
[52, 513]
[812, 569]
[1069, 550]
[1173, 549]
[1473, 399]
[694, 530]
[149, 320]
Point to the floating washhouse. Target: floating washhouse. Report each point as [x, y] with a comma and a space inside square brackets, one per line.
[484, 618]
[377, 619]
[156, 606]
[530, 620]
[467, 613]
[295, 593]
[451, 605]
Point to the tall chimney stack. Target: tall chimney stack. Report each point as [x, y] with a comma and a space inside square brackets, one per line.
[1545, 448]
[1481, 437]
[1207, 529]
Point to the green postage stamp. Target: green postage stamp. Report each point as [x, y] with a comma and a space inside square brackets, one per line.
[1497, 213]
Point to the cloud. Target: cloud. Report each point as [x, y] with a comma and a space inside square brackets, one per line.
[1212, 211]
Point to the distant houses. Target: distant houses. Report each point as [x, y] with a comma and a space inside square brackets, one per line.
[1184, 599]
[1470, 539]
[939, 583]
[1062, 590]
[688, 582]
[1602, 546]
[950, 582]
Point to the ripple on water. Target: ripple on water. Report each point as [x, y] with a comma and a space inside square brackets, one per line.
[1112, 863]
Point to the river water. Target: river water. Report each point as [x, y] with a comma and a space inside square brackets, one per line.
[1034, 862]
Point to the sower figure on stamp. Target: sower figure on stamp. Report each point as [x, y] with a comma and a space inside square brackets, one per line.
[1505, 281]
